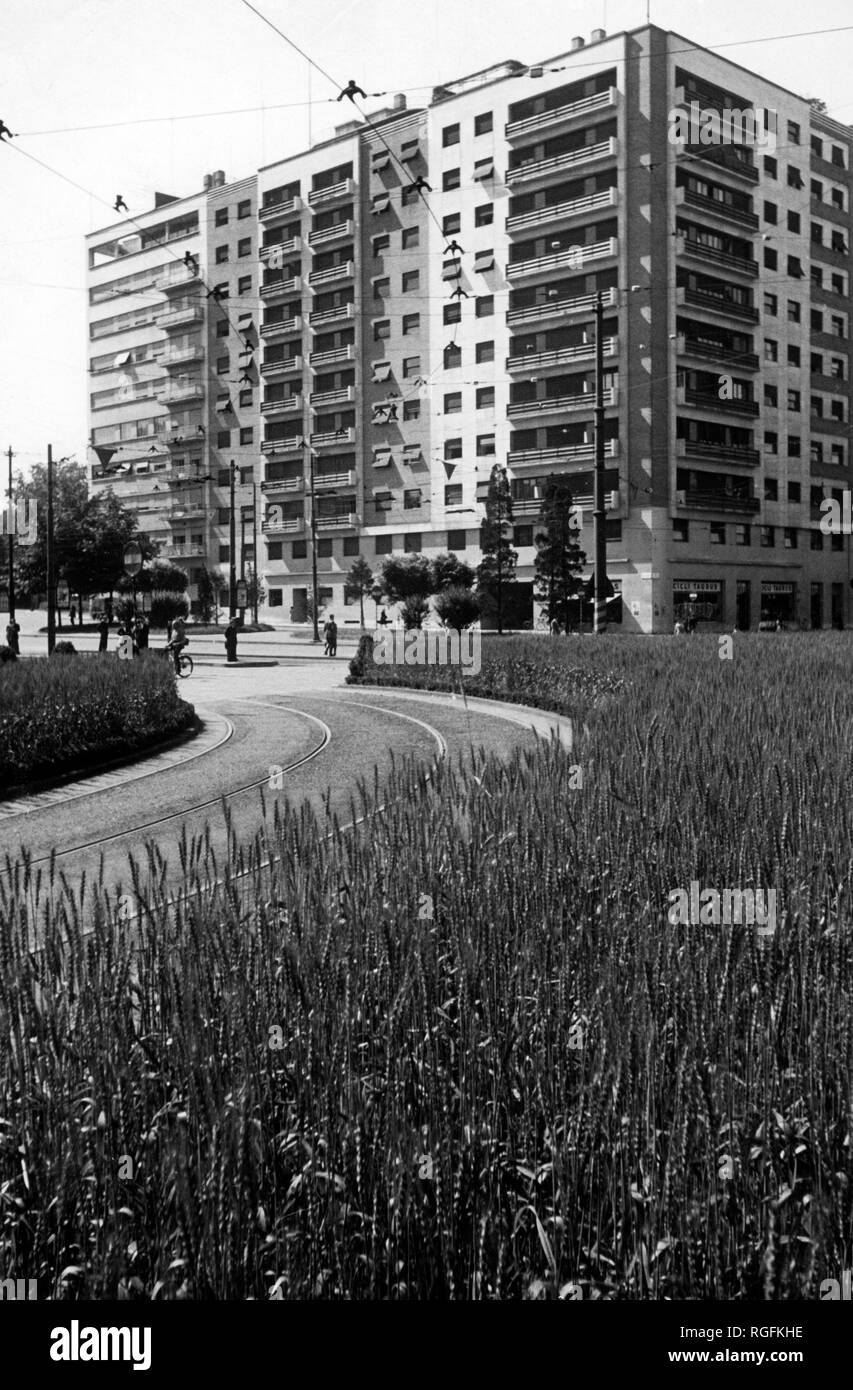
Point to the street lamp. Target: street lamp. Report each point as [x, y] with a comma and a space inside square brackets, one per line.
[313, 542]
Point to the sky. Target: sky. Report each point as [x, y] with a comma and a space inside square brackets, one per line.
[150, 73]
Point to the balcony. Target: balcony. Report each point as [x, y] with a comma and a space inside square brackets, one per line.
[287, 405]
[708, 400]
[532, 506]
[574, 453]
[573, 258]
[272, 448]
[281, 248]
[333, 355]
[273, 289]
[562, 117]
[282, 328]
[342, 312]
[345, 271]
[716, 502]
[270, 371]
[284, 526]
[331, 438]
[274, 211]
[561, 405]
[344, 479]
[274, 485]
[175, 357]
[184, 552]
[333, 194]
[178, 516]
[708, 350]
[720, 453]
[549, 170]
[346, 519]
[180, 278]
[559, 214]
[558, 308]
[195, 392]
[686, 246]
[559, 357]
[715, 304]
[176, 318]
[336, 233]
[343, 395]
[686, 197]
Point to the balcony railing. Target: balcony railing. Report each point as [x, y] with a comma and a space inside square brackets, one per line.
[284, 367]
[742, 216]
[716, 304]
[562, 404]
[561, 115]
[329, 437]
[562, 212]
[332, 194]
[344, 394]
[281, 248]
[343, 479]
[327, 234]
[532, 506]
[184, 552]
[284, 406]
[573, 453]
[177, 279]
[688, 246]
[554, 167]
[273, 485]
[340, 311]
[286, 526]
[273, 447]
[328, 523]
[271, 211]
[722, 158]
[328, 358]
[708, 400]
[716, 352]
[175, 356]
[558, 308]
[716, 502]
[282, 328]
[182, 393]
[345, 271]
[573, 258]
[190, 313]
[559, 357]
[270, 289]
[702, 449]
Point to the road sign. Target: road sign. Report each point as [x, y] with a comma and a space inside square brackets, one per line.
[242, 594]
[132, 559]
[62, 594]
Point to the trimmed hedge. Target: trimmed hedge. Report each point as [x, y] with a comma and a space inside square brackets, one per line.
[56, 716]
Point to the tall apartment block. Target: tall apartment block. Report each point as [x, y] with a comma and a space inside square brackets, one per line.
[395, 372]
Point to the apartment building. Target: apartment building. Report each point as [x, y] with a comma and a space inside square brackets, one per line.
[406, 344]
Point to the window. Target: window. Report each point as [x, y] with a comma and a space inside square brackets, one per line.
[484, 215]
[457, 540]
[453, 403]
[223, 364]
[381, 243]
[350, 545]
[790, 537]
[816, 540]
[771, 258]
[743, 534]
[794, 400]
[768, 537]
[771, 213]
[452, 313]
[485, 306]
[451, 179]
[411, 498]
[412, 410]
[680, 530]
[412, 542]
[452, 223]
[223, 477]
[522, 535]
[484, 168]
[381, 287]
[223, 514]
[384, 545]
[795, 267]
[453, 495]
[771, 168]
[836, 368]
[718, 533]
[411, 281]
[485, 397]
[485, 352]
[793, 355]
[771, 394]
[795, 178]
[379, 203]
[794, 446]
[244, 246]
[244, 208]
[837, 283]
[794, 492]
[771, 490]
[838, 157]
[247, 434]
[452, 450]
[244, 284]
[222, 328]
[411, 366]
[793, 133]
[381, 330]
[794, 311]
[483, 261]
[221, 255]
[817, 234]
[245, 399]
[816, 362]
[275, 550]
[838, 243]
[450, 135]
[224, 553]
[221, 217]
[771, 442]
[221, 290]
[771, 350]
[411, 238]
[816, 320]
[325, 549]
[793, 222]
[485, 446]
[409, 194]
[483, 123]
[837, 325]
[452, 356]
[411, 323]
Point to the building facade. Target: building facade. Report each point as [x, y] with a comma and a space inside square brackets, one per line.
[407, 343]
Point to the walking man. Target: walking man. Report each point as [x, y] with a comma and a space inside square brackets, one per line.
[104, 633]
[13, 627]
[72, 614]
[231, 641]
[330, 632]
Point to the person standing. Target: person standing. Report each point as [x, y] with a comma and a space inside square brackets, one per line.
[72, 614]
[231, 641]
[331, 637]
[13, 627]
[142, 632]
[104, 631]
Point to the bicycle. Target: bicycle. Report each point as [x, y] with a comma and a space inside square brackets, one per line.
[184, 665]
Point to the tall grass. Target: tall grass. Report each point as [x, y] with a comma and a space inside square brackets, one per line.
[538, 1085]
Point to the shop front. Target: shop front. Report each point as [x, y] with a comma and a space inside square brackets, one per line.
[698, 600]
[778, 601]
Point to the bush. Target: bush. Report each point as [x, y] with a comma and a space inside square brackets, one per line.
[65, 649]
[6, 654]
[413, 611]
[58, 715]
[457, 607]
[362, 662]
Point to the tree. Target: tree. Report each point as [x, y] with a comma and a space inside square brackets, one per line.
[156, 576]
[208, 595]
[405, 577]
[166, 606]
[496, 570]
[359, 582]
[414, 610]
[457, 607]
[559, 557]
[255, 591]
[449, 570]
[818, 104]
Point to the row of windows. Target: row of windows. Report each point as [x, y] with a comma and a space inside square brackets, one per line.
[484, 307]
[483, 124]
[522, 536]
[244, 248]
[244, 209]
[720, 532]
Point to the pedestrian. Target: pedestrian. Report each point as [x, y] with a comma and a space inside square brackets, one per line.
[13, 627]
[679, 628]
[142, 633]
[104, 631]
[72, 614]
[555, 628]
[231, 641]
[331, 633]
[383, 619]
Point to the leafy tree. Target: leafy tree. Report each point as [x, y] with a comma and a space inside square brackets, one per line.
[496, 570]
[166, 605]
[449, 570]
[559, 558]
[156, 575]
[407, 576]
[414, 610]
[208, 595]
[457, 606]
[359, 582]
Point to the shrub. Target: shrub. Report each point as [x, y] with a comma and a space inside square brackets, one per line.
[457, 607]
[362, 661]
[65, 649]
[413, 611]
[6, 654]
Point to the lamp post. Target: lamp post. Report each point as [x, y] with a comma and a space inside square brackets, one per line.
[232, 537]
[314, 592]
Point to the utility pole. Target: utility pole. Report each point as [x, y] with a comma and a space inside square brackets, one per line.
[51, 578]
[314, 548]
[600, 616]
[10, 536]
[232, 569]
[254, 553]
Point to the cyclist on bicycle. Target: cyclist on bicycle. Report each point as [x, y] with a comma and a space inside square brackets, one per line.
[177, 642]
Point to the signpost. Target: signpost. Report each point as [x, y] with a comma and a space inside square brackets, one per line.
[62, 594]
[242, 594]
[132, 561]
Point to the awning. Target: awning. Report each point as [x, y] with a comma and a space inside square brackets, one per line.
[381, 203]
[484, 260]
[246, 320]
[451, 270]
[380, 160]
[409, 150]
[223, 403]
[484, 169]
[121, 358]
[384, 493]
[382, 455]
[412, 450]
[381, 371]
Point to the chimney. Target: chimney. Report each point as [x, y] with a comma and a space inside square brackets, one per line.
[577, 43]
[208, 182]
[399, 103]
[597, 35]
[219, 178]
